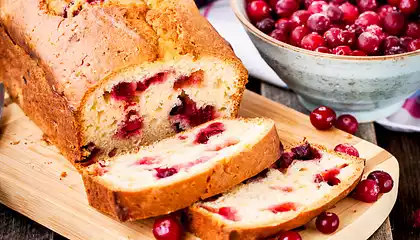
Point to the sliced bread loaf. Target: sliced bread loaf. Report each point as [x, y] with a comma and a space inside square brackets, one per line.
[305, 182]
[178, 171]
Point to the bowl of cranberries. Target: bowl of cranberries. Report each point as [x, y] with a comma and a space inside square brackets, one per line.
[356, 56]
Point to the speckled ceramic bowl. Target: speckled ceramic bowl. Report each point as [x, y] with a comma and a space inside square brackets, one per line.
[370, 88]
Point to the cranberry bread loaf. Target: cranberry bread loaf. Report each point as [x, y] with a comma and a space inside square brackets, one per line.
[176, 172]
[101, 77]
[303, 183]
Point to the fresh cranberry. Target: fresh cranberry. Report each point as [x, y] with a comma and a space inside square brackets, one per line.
[394, 23]
[358, 53]
[338, 2]
[323, 50]
[265, 25]
[357, 30]
[367, 191]
[408, 7]
[347, 149]
[367, 5]
[167, 228]
[124, 91]
[391, 41]
[350, 12]
[385, 9]
[285, 8]
[272, 3]
[285, 26]
[405, 41]
[300, 17]
[308, 3]
[317, 7]
[165, 172]
[342, 50]
[229, 213]
[322, 118]
[369, 43]
[347, 123]
[281, 22]
[327, 222]
[416, 219]
[334, 13]
[312, 41]
[279, 35]
[413, 30]
[331, 37]
[394, 3]
[206, 133]
[258, 10]
[383, 179]
[347, 38]
[394, 50]
[289, 235]
[414, 45]
[318, 22]
[285, 160]
[297, 35]
[368, 18]
[284, 207]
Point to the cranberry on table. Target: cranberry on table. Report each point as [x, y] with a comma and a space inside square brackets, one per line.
[258, 10]
[413, 30]
[323, 50]
[367, 191]
[265, 25]
[383, 179]
[358, 53]
[347, 149]
[350, 12]
[298, 34]
[367, 5]
[317, 7]
[414, 45]
[408, 7]
[322, 118]
[368, 18]
[167, 228]
[300, 17]
[334, 13]
[347, 123]
[369, 43]
[318, 22]
[342, 50]
[279, 35]
[327, 222]
[289, 235]
[285, 8]
[394, 23]
[312, 41]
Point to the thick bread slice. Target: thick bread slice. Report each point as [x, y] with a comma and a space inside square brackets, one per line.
[178, 171]
[281, 199]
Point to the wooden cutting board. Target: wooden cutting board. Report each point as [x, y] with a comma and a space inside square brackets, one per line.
[32, 179]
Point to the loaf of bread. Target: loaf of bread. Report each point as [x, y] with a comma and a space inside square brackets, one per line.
[305, 182]
[176, 172]
[101, 77]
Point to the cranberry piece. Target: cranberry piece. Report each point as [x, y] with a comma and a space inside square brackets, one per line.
[229, 213]
[358, 53]
[194, 79]
[347, 149]
[342, 50]
[327, 222]
[158, 78]
[131, 126]
[413, 30]
[394, 50]
[124, 91]
[279, 35]
[300, 17]
[284, 207]
[347, 123]
[323, 50]
[334, 13]
[350, 12]
[213, 129]
[394, 23]
[383, 179]
[165, 172]
[167, 228]
[368, 18]
[408, 7]
[414, 45]
[285, 160]
[347, 38]
[329, 176]
[384, 10]
[188, 112]
[367, 5]
[265, 25]
[416, 219]
[394, 3]
[405, 41]
[318, 22]
[317, 7]
[285, 8]
[322, 118]
[289, 235]
[368, 42]
[258, 10]
[297, 35]
[331, 37]
[306, 152]
[367, 191]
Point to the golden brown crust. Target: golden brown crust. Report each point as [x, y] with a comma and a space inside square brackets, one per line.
[204, 225]
[71, 57]
[128, 206]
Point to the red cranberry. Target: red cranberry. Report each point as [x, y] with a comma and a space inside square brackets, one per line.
[342, 50]
[306, 152]
[300, 17]
[383, 179]
[322, 118]
[408, 7]
[312, 41]
[297, 35]
[317, 7]
[124, 91]
[347, 149]
[347, 38]
[318, 22]
[367, 191]
[165, 172]
[323, 50]
[416, 219]
[369, 43]
[391, 41]
[347, 123]
[258, 10]
[331, 37]
[283, 207]
[394, 23]
[308, 3]
[384, 9]
[367, 5]
[229, 213]
[285, 160]
[405, 41]
[357, 30]
[206, 133]
[413, 30]
[285, 26]
[281, 22]
[285, 8]
[265, 25]
[338, 2]
[279, 35]
[350, 12]
[334, 13]
[414, 45]
[394, 3]
[368, 18]
[167, 228]
[358, 53]
[272, 3]
[394, 50]
[289, 235]
[327, 222]
[196, 78]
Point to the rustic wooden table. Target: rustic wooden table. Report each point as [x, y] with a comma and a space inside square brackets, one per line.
[404, 146]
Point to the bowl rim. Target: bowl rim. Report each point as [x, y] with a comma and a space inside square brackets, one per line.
[251, 28]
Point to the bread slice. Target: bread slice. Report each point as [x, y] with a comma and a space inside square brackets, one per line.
[279, 199]
[178, 171]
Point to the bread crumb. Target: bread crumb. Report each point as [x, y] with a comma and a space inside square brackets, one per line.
[63, 174]
[15, 143]
[46, 140]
